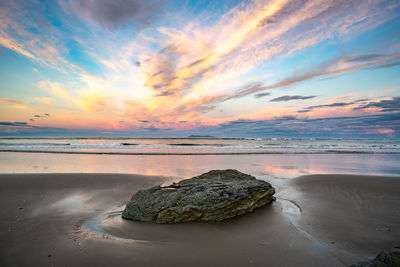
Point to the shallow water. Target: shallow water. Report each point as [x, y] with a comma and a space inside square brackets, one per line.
[267, 166]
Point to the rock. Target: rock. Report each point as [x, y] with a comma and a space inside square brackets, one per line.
[213, 196]
[384, 259]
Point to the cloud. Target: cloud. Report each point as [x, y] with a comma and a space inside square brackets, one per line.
[336, 104]
[12, 101]
[261, 95]
[289, 126]
[163, 93]
[152, 128]
[332, 105]
[388, 65]
[289, 8]
[237, 122]
[335, 67]
[56, 89]
[190, 68]
[45, 115]
[289, 98]
[95, 101]
[144, 121]
[14, 104]
[364, 57]
[7, 123]
[45, 100]
[113, 14]
[387, 105]
[198, 66]
[287, 118]
[22, 128]
[382, 131]
[22, 30]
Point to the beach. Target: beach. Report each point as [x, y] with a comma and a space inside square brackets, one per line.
[74, 219]
[262, 133]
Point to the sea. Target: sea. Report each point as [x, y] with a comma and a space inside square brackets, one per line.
[185, 157]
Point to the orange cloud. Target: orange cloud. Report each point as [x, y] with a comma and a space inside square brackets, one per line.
[56, 89]
[94, 102]
[7, 100]
[45, 100]
[198, 66]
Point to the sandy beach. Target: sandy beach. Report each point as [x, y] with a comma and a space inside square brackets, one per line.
[74, 220]
[102, 99]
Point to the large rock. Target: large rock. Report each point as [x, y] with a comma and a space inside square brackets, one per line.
[389, 258]
[213, 196]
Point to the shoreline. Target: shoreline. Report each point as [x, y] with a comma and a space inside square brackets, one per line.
[197, 153]
[341, 219]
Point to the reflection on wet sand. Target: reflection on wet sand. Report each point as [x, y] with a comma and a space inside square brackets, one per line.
[184, 166]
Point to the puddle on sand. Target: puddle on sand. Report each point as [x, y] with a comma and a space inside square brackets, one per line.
[289, 207]
[293, 211]
[97, 225]
[110, 225]
[111, 218]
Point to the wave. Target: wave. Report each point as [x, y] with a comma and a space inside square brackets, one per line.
[129, 144]
[193, 144]
[189, 138]
[187, 146]
[34, 144]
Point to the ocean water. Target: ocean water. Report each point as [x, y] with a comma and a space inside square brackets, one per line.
[198, 146]
[178, 158]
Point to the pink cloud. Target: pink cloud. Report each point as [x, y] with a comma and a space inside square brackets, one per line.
[381, 131]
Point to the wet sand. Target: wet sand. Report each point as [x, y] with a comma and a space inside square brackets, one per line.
[74, 220]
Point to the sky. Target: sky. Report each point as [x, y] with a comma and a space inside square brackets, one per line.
[271, 68]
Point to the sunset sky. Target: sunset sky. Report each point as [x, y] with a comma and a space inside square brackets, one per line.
[289, 68]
